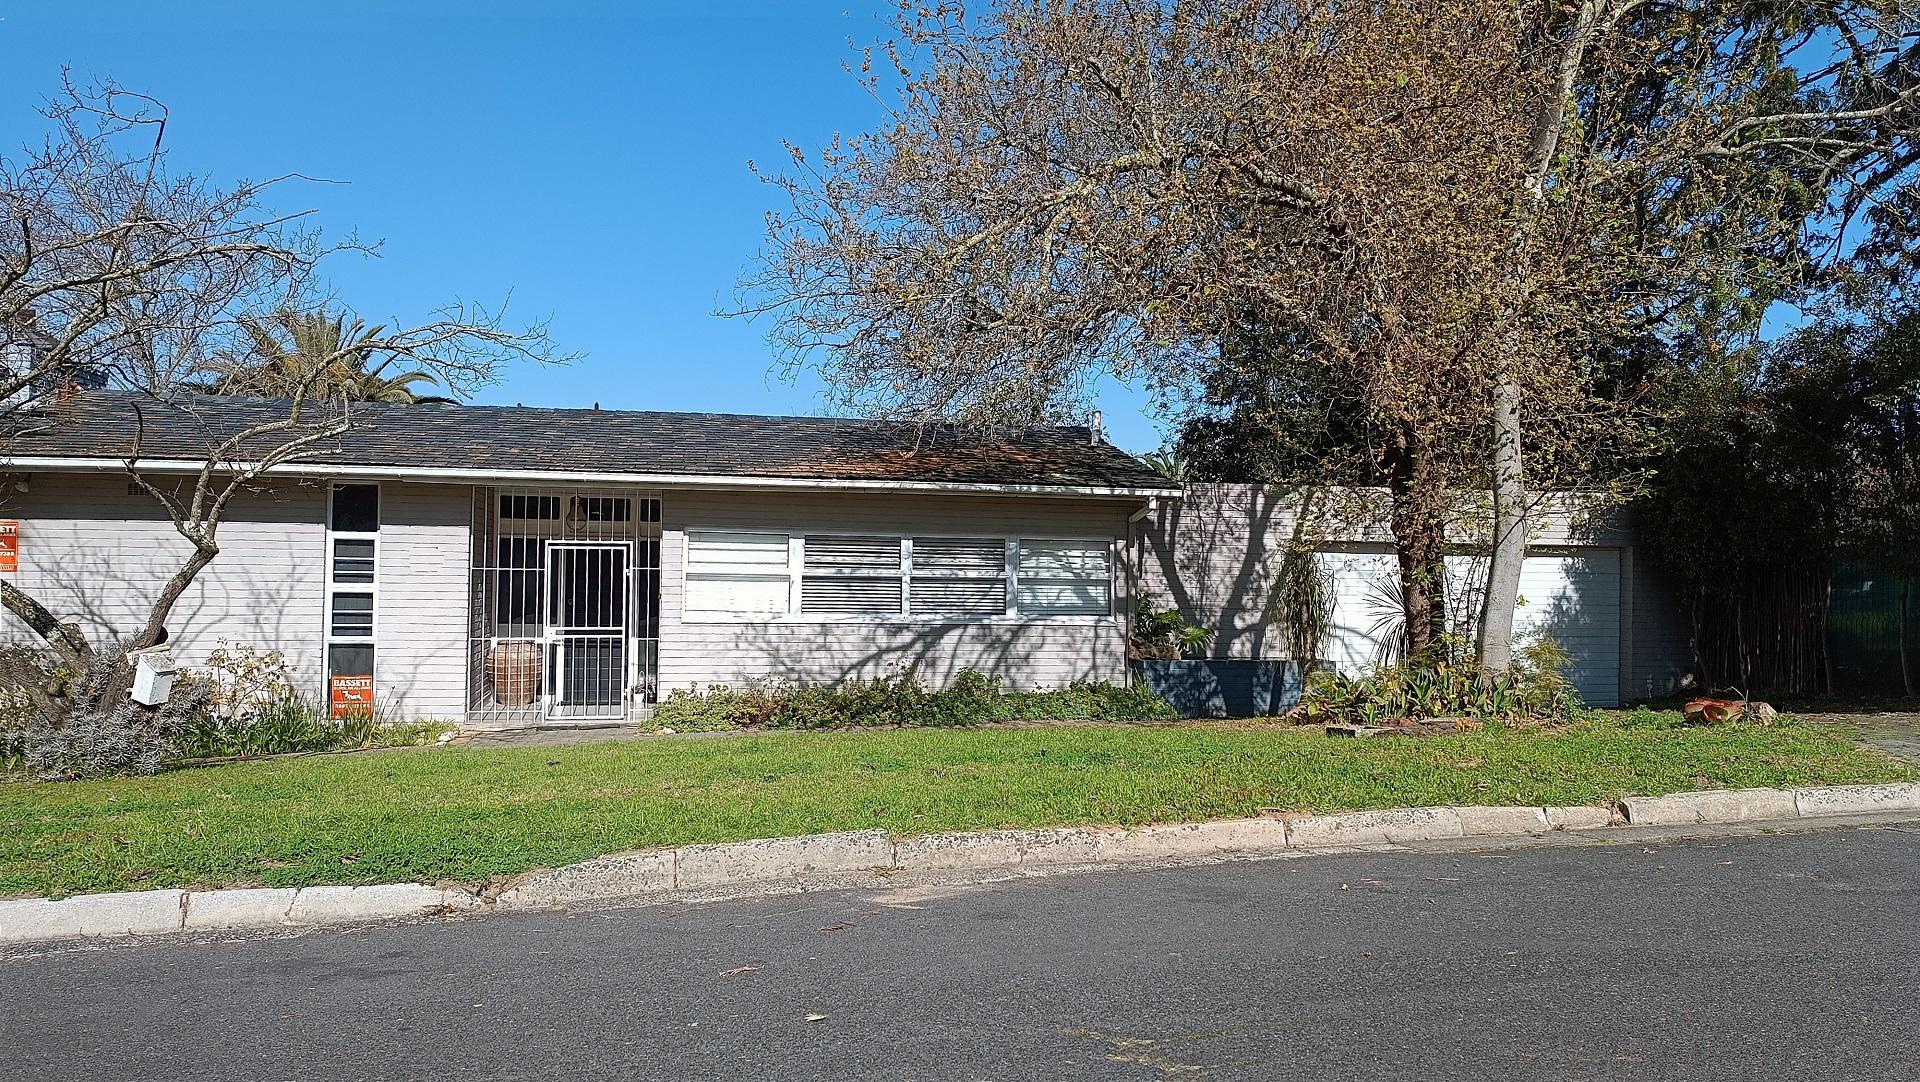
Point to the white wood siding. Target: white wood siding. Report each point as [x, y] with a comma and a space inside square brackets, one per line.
[1213, 555]
[90, 549]
[421, 663]
[1573, 596]
[1027, 653]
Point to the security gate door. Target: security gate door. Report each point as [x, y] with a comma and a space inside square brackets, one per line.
[586, 630]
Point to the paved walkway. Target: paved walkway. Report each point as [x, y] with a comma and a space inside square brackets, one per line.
[1896, 733]
[547, 737]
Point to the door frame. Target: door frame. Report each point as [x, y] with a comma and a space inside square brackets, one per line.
[553, 641]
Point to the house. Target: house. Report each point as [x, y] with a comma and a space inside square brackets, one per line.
[510, 566]
[1215, 552]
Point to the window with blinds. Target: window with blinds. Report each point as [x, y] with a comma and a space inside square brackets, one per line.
[737, 572]
[851, 575]
[1065, 578]
[959, 576]
[877, 576]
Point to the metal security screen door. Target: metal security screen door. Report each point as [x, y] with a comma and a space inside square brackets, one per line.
[587, 637]
[555, 636]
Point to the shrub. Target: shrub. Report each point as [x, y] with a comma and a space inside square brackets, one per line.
[293, 723]
[973, 698]
[123, 740]
[1448, 683]
[1165, 635]
[246, 680]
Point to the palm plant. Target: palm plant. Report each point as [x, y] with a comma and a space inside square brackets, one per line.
[1168, 462]
[319, 355]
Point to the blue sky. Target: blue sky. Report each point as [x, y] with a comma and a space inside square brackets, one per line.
[590, 159]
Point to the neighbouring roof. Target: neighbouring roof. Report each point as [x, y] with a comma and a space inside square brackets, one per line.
[509, 440]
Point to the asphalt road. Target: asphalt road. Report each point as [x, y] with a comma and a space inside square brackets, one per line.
[1773, 957]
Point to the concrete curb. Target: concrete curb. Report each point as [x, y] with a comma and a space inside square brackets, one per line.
[770, 861]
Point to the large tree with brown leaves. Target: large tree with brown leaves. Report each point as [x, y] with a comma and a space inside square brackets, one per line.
[1435, 210]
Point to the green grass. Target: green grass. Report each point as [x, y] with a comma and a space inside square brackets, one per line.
[457, 814]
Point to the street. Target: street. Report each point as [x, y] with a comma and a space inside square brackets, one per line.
[1762, 957]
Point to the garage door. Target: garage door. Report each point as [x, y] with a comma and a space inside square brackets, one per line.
[1573, 595]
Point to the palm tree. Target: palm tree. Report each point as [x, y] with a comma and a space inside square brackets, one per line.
[318, 355]
[1168, 462]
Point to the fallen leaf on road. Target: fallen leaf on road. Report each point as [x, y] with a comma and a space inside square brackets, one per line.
[816, 1016]
[836, 926]
[737, 970]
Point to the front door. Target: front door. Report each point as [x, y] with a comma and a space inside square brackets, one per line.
[587, 641]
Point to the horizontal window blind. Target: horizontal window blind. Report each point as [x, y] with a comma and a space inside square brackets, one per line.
[851, 575]
[352, 616]
[353, 559]
[737, 572]
[1065, 578]
[959, 576]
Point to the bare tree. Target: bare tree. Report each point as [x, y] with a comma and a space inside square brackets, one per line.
[118, 273]
[1445, 211]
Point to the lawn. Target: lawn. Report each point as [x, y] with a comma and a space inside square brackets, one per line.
[431, 814]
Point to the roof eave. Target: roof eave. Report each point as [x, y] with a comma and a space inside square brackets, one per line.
[742, 482]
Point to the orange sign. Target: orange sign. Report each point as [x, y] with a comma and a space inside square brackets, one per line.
[352, 696]
[9, 546]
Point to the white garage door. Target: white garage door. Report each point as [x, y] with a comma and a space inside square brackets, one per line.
[1573, 596]
[1365, 631]
[1576, 599]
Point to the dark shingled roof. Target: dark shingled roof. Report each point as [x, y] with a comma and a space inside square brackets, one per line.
[520, 438]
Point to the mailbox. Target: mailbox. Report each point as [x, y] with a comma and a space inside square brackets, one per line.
[153, 674]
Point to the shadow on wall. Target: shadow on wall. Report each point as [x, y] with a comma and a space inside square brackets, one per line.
[1214, 555]
[1022, 656]
[112, 596]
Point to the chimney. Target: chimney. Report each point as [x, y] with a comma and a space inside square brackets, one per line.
[1095, 434]
[23, 348]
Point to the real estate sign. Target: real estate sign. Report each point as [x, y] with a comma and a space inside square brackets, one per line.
[350, 696]
[9, 546]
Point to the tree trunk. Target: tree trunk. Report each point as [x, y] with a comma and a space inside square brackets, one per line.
[1509, 532]
[1419, 538]
[1562, 69]
[154, 632]
[67, 641]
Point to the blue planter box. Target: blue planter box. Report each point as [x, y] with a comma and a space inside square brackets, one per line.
[1224, 687]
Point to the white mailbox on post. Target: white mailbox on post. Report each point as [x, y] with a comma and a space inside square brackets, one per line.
[152, 675]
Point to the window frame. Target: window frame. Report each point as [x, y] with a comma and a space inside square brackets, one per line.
[333, 587]
[1013, 556]
[796, 562]
[688, 576]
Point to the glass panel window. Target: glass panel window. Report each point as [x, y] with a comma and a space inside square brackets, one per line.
[605, 509]
[353, 559]
[356, 508]
[350, 680]
[960, 575]
[352, 616]
[851, 575]
[729, 571]
[530, 507]
[1065, 578]
[350, 659]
